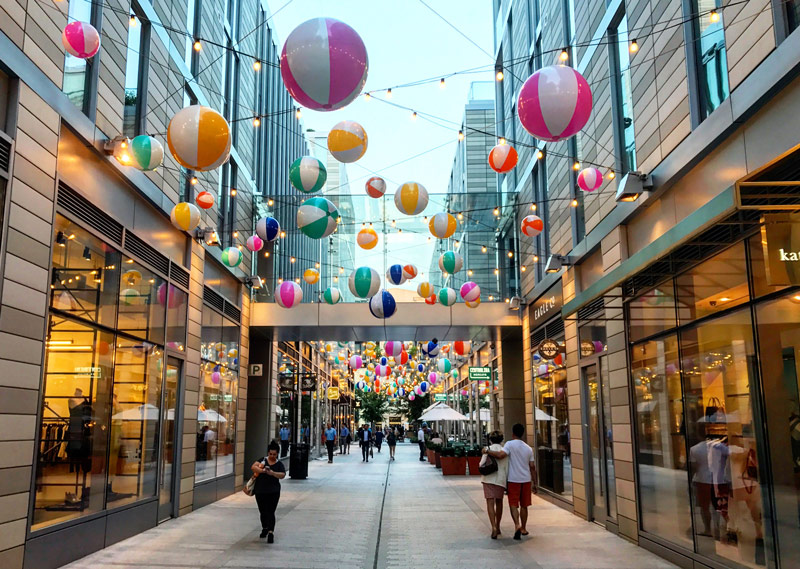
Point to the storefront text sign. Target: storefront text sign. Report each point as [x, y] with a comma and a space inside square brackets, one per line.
[780, 237]
[440, 397]
[480, 374]
[286, 382]
[546, 306]
[549, 349]
[587, 349]
[333, 393]
[308, 382]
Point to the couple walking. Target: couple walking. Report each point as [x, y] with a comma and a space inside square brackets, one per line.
[515, 474]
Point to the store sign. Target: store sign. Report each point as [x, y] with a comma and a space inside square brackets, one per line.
[308, 381]
[95, 372]
[546, 306]
[549, 349]
[480, 374]
[286, 382]
[256, 370]
[780, 236]
[333, 393]
[440, 397]
[587, 349]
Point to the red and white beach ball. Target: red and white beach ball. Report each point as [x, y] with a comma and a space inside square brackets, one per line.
[80, 39]
[554, 103]
[254, 243]
[376, 187]
[430, 299]
[205, 200]
[470, 291]
[288, 294]
[462, 347]
[590, 179]
[409, 272]
[324, 64]
[503, 158]
[532, 225]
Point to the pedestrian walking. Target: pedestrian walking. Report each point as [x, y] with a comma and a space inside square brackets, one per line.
[421, 441]
[365, 440]
[330, 442]
[391, 442]
[269, 471]
[348, 440]
[344, 434]
[521, 477]
[379, 439]
[284, 434]
[494, 484]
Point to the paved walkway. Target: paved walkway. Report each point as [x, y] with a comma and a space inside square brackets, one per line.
[377, 515]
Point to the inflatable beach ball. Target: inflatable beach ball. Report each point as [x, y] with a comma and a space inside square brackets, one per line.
[332, 295]
[503, 158]
[590, 179]
[376, 187]
[444, 365]
[231, 256]
[324, 64]
[147, 153]
[411, 198]
[433, 377]
[420, 367]
[409, 272]
[470, 291]
[80, 39]
[442, 225]
[532, 225]
[356, 362]
[317, 217]
[205, 200]
[462, 347]
[347, 141]
[433, 349]
[367, 238]
[288, 294]
[474, 303]
[394, 349]
[311, 276]
[364, 282]
[447, 296]
[430, 299]
[307, 174]
[170, 296]
[254, 243]
[394, 275]
[425, 289]
[450, 262]
[199, 138]
[554, 103]
[185, 216]
[268, 229]
[423, 387]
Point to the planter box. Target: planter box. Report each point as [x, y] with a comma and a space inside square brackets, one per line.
[474, 462]
[431, 456]
[438, 459]
[454, 465]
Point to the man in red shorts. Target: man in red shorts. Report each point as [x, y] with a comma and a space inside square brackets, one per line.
[521, 478]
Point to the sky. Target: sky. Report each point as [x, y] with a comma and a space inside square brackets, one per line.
[405, 42]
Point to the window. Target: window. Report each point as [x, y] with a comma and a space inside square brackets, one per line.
[623, 97]
[192, 56]
[5, 92]
[792, 14]
[226, 203]
[77, 71]
[136, 65]
[142, 304]
[710, 55]
[714, 285]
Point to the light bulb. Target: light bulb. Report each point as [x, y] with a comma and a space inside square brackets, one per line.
[256, 122]
[461, 135]
[574, 203]
[611, 175]
[197, 45]
[133, 21]
[564, 55]
[441, 83]
[539, 154]
[193, 181]
[367, 96]
[714, 16]
[499, 76]
[576, 166]
[388, 93]
[257, 65]
[634, 47]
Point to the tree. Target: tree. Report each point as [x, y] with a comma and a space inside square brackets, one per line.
[373, 406]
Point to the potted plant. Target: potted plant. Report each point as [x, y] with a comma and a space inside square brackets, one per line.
[454, 462]
[430, 449]
[474, 460]
[437, 456]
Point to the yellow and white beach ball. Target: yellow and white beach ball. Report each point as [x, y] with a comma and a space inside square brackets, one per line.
[442, 225]
[311, 276]
[425, 289]
[347, 141]
[411, 198]
[199, 138]
[185, 216]
[367, 238]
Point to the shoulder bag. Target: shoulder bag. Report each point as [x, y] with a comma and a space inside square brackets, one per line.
[488, 465]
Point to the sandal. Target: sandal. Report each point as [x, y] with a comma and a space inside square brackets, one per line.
[494, 535]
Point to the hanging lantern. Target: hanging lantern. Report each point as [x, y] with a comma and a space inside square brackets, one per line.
[503, 158]
[590, 179]
[199, 138]
[311, 276]
[254, 243]
[288, 294]
[382, 305]
[394, 275]
[308, 174]
[450, 262]
[147, 153]
[447, 296]
[205, 200]
[80, 39]
[470, 291]
[367, 238]
[375, 187]
[411, 198]
[268, 229]
[532, 225]
[232, 256]
[317, 217]
[324, 64]
[185, 216]
[347, 141]
[554, 103]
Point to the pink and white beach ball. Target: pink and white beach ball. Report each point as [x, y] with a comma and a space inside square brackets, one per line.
[470, 291]
[393, 349]
[554, 103]
[288, 294]
[590, 179]
[80, 39]
[254, 243]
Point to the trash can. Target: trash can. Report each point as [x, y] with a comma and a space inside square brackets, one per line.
[545, 467]
[298, 461]
[558, 471]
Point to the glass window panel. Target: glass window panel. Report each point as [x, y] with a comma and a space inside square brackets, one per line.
[230, 341]
[593, 339]
[625, 101]
[76, 70]
[136, 401]
[208, 419]
[141, 308]
[719, 365]
[176, 317]
[779, 344]
[712, 63]
[792, 14]
[552, 425]
[133, 64]
[758, 268]
[71, 463]
[660, 429]
[85, 275]
[652, 312]
[226, 427]
[717, 284]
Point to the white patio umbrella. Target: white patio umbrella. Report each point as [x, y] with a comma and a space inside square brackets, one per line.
[211, 416]
[484, 415]
[144, 412]
[443, 413]
[542, 416]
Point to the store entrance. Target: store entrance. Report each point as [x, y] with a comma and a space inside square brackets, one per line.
[601, 484]
[166, 491]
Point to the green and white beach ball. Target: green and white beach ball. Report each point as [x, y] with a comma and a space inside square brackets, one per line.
[450, 262]
[447, 296]
[307, 174]
[317, 217]
[364, 282]
[147, 152]
[232, 257]
[332, 295]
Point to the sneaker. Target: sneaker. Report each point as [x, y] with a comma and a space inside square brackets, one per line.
[271, 537]
[263, 534]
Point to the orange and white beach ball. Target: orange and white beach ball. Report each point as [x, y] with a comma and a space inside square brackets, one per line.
[442, 225]
[347, 141]
[311, 276]
[367, 238]
[199, 138]
[503, 158]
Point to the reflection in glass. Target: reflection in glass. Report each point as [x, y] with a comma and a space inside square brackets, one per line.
[168, 446]
[718, 360]
[714, 285]
[133, 447]
[141, 302]
[661, 451]
[176, 316]
[625, 100]
[133, 61]
[71, 464]
[712, 63]
[652, 312]
[77, 70]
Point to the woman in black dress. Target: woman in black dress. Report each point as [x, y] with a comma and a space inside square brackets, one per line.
[269, 472]
[391, 440]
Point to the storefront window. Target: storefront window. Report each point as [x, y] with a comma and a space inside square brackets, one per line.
[718, 362]
[551, 416]
[714, 285]
[660, 427]
[652, 312]
[141, 308]
[176, 316]
[712, 62]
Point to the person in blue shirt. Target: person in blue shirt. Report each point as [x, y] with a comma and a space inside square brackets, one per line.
[284, 434]
[379, 439]
[344, 433]
[330, 441]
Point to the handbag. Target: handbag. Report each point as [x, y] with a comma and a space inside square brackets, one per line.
[488, 465]
[715, 411]
[250, 487]
[750, 472]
